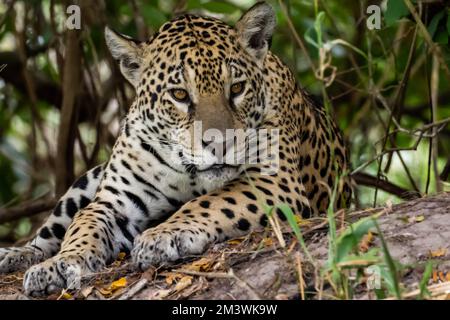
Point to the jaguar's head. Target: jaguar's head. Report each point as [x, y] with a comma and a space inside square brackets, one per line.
[197, 81]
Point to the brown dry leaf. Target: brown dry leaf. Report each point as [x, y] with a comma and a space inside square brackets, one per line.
[366, 241]
[203, 264]
[236, 241]
[300, 221]
[160, 294]
[149, 274]
[435, 276]
[86, 292]
[419, 218]
[172, 277]
[201, 284]
[114, 286]
[184, 282]
[268, 242]
[106, 292]
[438, 253]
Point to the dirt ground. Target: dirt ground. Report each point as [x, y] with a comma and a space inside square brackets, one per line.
[266, 266]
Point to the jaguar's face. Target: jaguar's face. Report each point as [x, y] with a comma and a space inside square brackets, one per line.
[199, 87]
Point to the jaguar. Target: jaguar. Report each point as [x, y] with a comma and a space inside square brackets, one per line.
[152, 199]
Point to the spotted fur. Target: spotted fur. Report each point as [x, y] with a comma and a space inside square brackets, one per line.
[113, 206]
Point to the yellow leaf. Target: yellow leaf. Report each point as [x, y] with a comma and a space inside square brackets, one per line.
[202, 264]
[300, 221]
[121, 256]
[268, 242]
[66, 296]
[105, 291]
[438, 253]
[435, 276]
[116, 285]
[404, 219]
[183, 283]
[235, 241]
[419, 218]
[366, 242]
[121, 283]
[171, 277]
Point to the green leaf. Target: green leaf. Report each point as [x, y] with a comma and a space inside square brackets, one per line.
[309, 37]
[220, 7]
[371, 257]
[441, 37]
[350, 238]
[23, 228]
[318, 27]
[391, 272]
[424, 281]
[432, 27]
[153, 16]
[395, 10]
[194, 4]
[287, 211]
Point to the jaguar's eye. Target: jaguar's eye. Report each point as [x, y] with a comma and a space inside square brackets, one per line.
[237, 88]
[180, 95]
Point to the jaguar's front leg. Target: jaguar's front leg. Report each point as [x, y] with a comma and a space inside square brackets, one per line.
[48, 239]
[93, 239]
[233, 211]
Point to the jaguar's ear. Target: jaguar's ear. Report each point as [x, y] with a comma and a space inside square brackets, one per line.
[255, 29]
[127, 52]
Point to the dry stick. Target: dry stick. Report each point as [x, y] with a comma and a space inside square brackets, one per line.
[380, 83]
[397, 110]
[26, 209]
[31, 91]
[134, 289]
[296, 36]
[399, 97]
[223, 275]
[300, 275]
[435, 290]
[430, 105]
[365, 179]
[419, 133]
[68, 116]
[139, 21]
[350, 52]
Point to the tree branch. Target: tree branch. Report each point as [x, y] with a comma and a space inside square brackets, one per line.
[365, 179]
[68, 116]
[27, 209]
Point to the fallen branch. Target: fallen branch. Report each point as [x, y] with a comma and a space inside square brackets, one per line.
[223, 275]
[134, 290]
